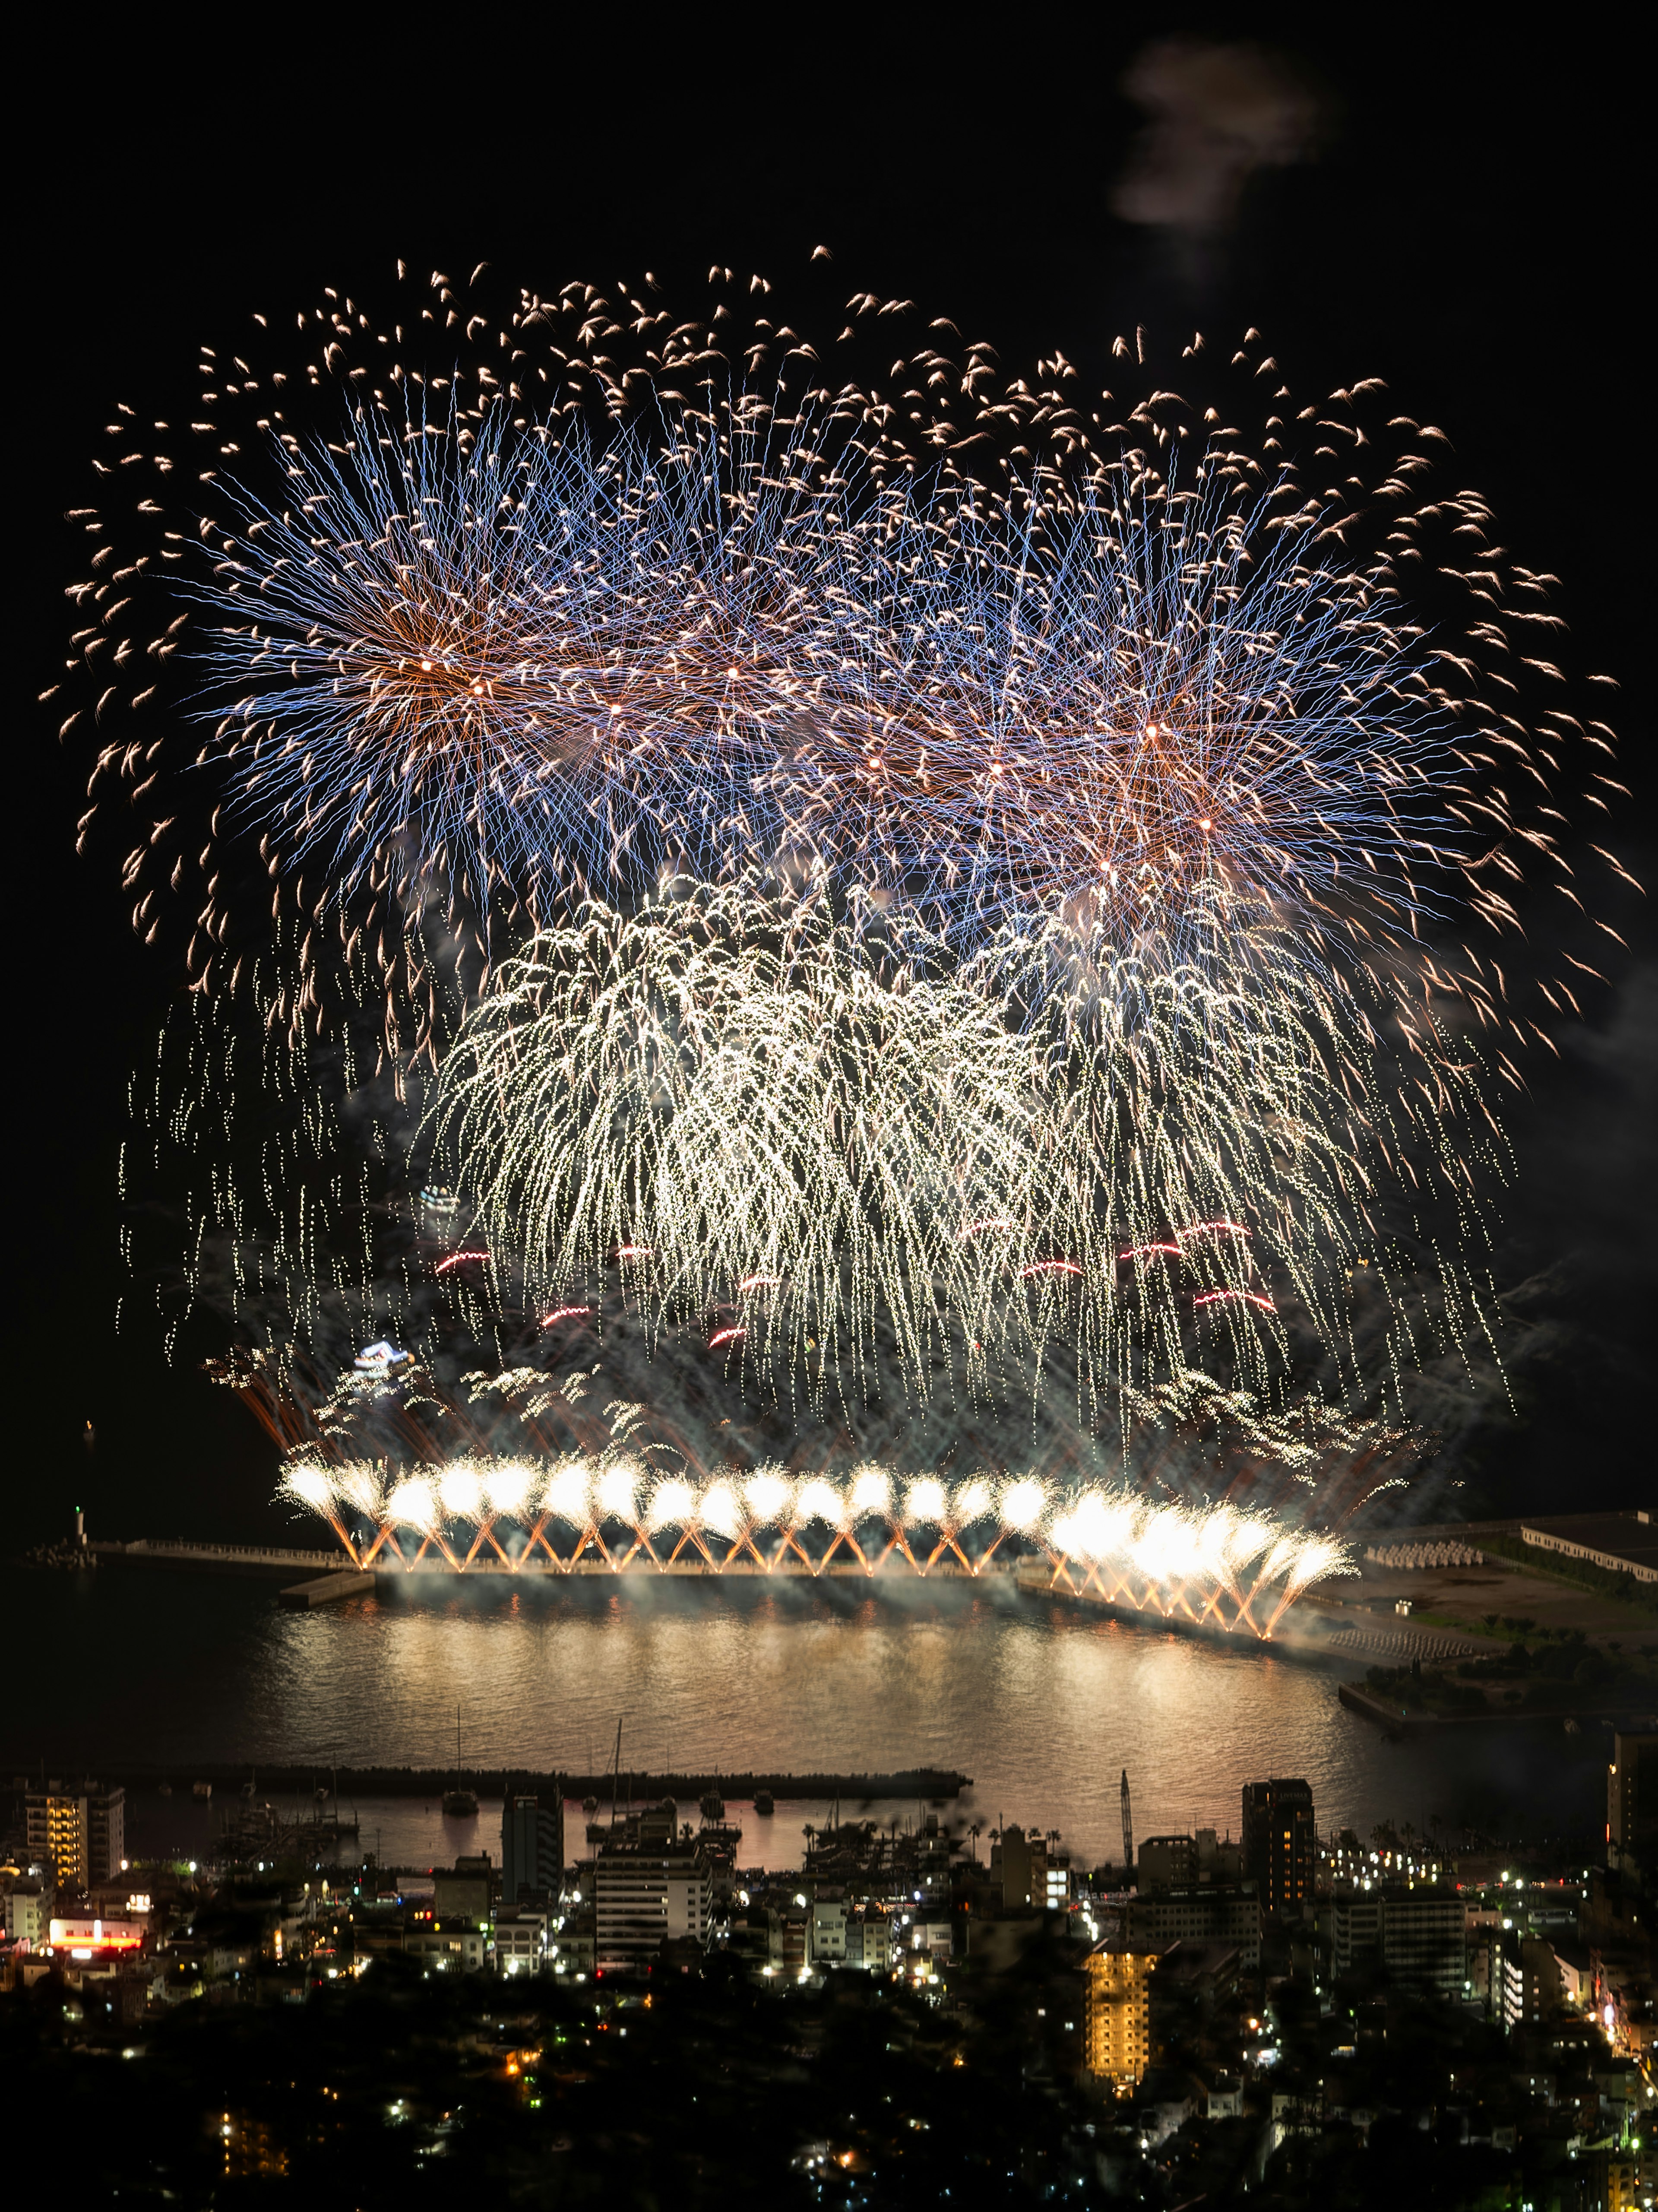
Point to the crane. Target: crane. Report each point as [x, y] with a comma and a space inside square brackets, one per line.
[1127, 1833]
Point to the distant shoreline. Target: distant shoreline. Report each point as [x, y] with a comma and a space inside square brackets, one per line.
[911, 1784]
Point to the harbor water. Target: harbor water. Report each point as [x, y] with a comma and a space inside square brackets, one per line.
[1041, 1704]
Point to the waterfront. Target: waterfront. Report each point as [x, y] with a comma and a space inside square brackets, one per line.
[1042, 1704]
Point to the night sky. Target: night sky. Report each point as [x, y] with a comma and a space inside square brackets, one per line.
[1460, 220]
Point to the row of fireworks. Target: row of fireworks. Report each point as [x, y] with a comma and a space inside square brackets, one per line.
[1167, 1557]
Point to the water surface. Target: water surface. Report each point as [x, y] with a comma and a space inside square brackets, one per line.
[1041, 1704]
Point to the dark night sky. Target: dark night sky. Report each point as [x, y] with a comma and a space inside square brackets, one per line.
[1468, 231]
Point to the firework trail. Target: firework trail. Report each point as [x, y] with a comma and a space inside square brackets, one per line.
[1108, 818]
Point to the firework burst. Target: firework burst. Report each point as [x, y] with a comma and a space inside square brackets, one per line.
[1104, 823]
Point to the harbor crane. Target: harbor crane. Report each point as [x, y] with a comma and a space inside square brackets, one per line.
[1127, 1833]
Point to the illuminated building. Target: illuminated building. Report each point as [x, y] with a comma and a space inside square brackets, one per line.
[645, 1894]
[1632, 1803]
[28, 1912]
[84, 1938]
[828, 1929]
[1117, 2014]
[447, 1946]
[251, 2146]
[531, 1845]
[1279, 1845]
[80, 1832]
[1530, 1978]
[520, 1942]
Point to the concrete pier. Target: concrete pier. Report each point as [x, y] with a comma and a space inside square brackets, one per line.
[327, 1590]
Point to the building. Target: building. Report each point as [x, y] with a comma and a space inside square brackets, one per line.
[1018, 1866]
[531, 1845]
[1528, 1988]
[1621, 1543]
[1166, 1862]
[80, 1832]
[828, 1929]
[29, 1907]
[869, 1943]
[1279, 1845]
[1417, 1936]
[1174, 1862]
[452, 1946]
[1117, 2014]
[1225, 1912]
[1197, 1975]
[646, 1893]
[1632, 1804]
[520, 1942]
[465, 1893]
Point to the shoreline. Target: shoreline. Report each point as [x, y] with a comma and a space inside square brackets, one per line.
[285, 1779]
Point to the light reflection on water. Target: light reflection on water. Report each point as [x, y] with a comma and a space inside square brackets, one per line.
[1042, 1705]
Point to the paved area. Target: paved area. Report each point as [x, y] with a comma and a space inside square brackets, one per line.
[1460, 1598]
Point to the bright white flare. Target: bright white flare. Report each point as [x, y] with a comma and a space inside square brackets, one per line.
[1159, 1556]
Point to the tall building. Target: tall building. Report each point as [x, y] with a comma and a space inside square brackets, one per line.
[80, 1832]
[1279, 1845]
[644, 1894]
[1632, 1804]
[532, 1843]
[1019, 1864]
[1117, 2014]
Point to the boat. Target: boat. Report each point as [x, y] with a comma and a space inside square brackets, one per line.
[590, 1806]
[764, 1803]
[201, 1790]
[713, 1805]
[460, 1803]
[720, 1840]
[163, 1789]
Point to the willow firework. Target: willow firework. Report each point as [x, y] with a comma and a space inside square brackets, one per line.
[726, 1096]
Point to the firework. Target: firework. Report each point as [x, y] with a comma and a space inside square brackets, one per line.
[882, 857]
[512, 607]
[605, 1489]
[813, 1132]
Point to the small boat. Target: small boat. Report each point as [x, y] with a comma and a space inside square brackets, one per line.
[163, 1789]
[764, 1803]
[590, 1806]
[713, 1805]
[201, 1790]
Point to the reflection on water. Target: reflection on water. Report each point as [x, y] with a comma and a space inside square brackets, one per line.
[1041, 1705]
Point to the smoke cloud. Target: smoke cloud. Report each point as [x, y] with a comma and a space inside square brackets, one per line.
[1217, 113]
